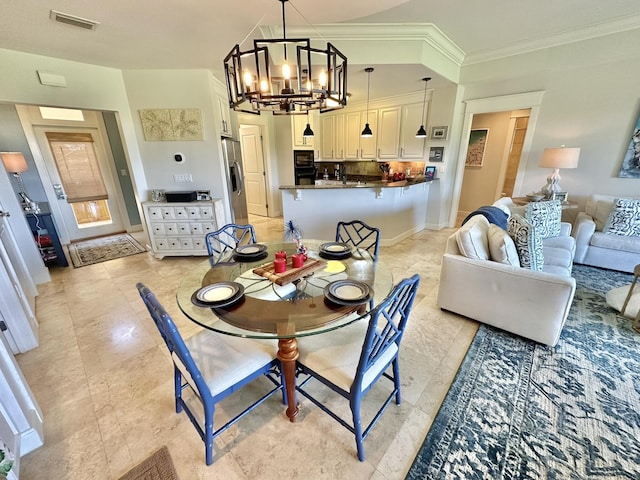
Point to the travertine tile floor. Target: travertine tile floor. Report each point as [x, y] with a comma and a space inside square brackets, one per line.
[103, 379]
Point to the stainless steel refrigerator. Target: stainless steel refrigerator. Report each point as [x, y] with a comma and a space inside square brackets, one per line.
[235, 180]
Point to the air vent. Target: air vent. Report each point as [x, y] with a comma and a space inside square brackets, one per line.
[73, 20]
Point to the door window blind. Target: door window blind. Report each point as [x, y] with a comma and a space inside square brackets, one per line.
[77, 163]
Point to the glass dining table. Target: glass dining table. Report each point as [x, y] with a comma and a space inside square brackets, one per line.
[286, 306]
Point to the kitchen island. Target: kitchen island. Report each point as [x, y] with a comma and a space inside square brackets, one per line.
[399, 208]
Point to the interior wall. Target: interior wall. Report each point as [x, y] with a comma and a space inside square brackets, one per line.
[591, 101]
[151, 89]
[480, 183]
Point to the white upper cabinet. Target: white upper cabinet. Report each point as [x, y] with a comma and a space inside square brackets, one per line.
[328, 137]
[353, 127]
[299, 125]
[339, 136]
[224, 113]
[369, 145]
[388, 134]
[410, 146]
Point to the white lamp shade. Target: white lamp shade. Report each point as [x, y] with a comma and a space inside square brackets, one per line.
[560, 157]
[14, 162]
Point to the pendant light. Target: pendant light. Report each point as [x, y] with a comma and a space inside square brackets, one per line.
[268, 79]
[422, 133]
[367, 129]
[307, 131]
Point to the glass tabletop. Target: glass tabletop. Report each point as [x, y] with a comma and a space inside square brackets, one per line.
[295, 303]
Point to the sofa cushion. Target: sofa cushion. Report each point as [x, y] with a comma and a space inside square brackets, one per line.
[624, 219]
[615, 242]
[501, 247]
[598, 207]
[558, 257]
[545, 217]
[472, 238]
[528, 243]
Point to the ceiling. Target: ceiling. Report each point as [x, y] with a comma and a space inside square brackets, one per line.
[186, 34]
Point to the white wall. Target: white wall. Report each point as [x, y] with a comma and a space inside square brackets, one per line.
[591, 101]
[151, 89]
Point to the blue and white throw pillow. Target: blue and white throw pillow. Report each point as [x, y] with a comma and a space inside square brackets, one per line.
[624, 218]
[528, 243]
[545, 217]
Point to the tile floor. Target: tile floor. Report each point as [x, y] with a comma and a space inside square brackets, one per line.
[103, 379]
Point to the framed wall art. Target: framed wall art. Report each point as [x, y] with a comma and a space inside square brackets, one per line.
[630, 167]
[436, 154]
[171, 124]
[477, 146]
[430, 172]
[439, 133]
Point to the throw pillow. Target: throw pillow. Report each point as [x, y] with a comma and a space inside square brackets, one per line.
[472, 238]
[528, 243]
[501, 247]
[545, 217]
[624, 218]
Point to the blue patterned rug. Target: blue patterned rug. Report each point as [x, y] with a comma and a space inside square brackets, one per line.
[521, 410]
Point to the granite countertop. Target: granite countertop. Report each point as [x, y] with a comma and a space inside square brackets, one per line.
[330, 184]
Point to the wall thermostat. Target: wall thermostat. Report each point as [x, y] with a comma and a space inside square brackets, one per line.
[178, 157]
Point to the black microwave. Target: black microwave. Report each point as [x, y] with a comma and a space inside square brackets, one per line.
[303, 158]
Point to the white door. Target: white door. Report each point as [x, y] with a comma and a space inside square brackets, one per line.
[254, 170]
[78, 146]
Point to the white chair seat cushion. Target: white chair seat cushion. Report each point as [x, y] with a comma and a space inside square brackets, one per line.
[335, 355]
[616, 242]
[224, 360]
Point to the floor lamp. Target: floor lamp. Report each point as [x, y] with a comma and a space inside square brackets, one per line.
[15, 163]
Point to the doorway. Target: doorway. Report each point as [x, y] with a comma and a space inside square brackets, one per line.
[527, 101]
[75, 160]
[494, 176]
[254, 170]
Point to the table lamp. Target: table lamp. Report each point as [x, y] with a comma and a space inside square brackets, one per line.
[15, 163]
[558, 158]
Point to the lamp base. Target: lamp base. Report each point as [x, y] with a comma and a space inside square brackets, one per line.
[553, 185]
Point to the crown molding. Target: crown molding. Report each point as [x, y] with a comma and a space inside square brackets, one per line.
[624, 24]
[423, 32]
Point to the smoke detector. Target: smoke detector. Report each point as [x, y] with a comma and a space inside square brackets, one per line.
[73, 20]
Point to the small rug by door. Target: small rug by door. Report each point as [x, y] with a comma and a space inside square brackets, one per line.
[158, 466]
[519, 410]
[102, 249]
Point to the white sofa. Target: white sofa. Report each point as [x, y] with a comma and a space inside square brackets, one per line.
[529, 303]
[598, 249]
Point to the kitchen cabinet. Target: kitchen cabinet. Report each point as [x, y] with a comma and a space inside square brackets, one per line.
[328, 137]
[410, 146]
[388, 134]
[369, 145]
[332, 135]
[299, 124]
[353, 127]
[224, 113]
[178, 229]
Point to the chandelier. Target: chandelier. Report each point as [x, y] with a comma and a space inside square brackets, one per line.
[286, 76]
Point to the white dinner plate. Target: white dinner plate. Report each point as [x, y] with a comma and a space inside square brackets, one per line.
[219, 294]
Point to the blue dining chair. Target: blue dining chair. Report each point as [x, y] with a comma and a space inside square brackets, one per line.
[359, 234]
[352, 359]
[213, 366]
[228, 238]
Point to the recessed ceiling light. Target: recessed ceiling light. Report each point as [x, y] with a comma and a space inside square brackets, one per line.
[73, 20]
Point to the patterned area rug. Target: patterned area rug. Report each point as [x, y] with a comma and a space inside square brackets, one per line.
[520, 410]
[102, 249]
[156, 467]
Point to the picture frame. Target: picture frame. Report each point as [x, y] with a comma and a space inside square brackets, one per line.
[436, 154]
[439, 133]
[477, 146]
[562, 196]
[430, 172]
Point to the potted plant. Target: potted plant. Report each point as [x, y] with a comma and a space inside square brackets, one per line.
[6, 461]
